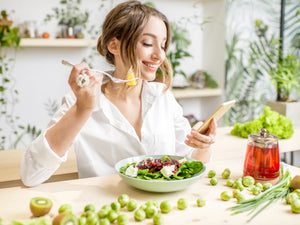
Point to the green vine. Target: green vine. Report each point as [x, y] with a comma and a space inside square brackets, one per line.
[11, 131]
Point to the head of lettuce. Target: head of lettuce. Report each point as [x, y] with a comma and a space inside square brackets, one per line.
[272, 121]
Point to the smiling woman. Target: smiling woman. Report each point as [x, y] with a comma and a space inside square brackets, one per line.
[107, 121]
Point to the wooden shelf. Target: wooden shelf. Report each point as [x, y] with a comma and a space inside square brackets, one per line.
[62, 42]
[196, 93]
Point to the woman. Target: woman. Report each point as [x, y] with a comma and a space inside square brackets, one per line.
[106, 121]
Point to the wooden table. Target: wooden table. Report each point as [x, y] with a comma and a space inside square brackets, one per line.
[226, 147]
[14, 202]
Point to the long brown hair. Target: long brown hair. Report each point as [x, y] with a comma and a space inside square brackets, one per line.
[126, 22]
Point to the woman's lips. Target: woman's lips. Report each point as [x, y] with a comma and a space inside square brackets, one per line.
[151, 66]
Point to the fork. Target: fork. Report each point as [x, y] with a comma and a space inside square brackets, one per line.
[114, 79]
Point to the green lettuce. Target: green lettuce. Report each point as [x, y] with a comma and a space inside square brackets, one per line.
[272, 121]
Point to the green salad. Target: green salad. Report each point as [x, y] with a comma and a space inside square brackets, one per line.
[165, 168]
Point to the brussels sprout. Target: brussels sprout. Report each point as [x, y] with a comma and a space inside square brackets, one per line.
[131, 205]
[266, 186]
[201, 202]
[152, 202]
[248, 181]
[295, 206]
[182, 203]
[240, 186]
[122, 219]
[112, 216]
[240, 197]
[123, 199]
[291, 197]
[104, 221]
[157, 219]
[115, 206]
[89, 207]
[65, 208]
[91, 218]
[102, 213]
[150, 211]
[213, 181]
[82, 220]
[256, 190]
[226, 173]
[259, 185]
[139, 215]
[297, 191]
[237, 182]
[211, 173]
[226, 195]
[235, 192]
[230, 182]
[165, 206]
[106, 207]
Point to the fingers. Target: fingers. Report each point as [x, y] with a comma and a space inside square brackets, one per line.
[77, 70]
[197, 125]
[197, 144]
[82, 78]
[198, 140]
[212, 129]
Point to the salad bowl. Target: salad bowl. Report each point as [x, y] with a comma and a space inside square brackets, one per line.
[155, 185]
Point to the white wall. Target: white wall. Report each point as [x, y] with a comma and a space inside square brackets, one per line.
[40, 75]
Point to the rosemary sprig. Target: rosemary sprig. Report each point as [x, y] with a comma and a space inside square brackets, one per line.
[260, 202]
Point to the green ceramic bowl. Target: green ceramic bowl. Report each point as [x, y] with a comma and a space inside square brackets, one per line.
[157, 185]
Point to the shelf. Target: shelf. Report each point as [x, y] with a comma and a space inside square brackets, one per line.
[196, 93]
[61, 42]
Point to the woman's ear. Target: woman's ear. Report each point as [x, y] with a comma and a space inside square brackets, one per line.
[114, 46]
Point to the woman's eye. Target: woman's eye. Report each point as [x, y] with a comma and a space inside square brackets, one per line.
[146, 44]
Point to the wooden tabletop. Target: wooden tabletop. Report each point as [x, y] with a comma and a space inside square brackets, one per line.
[227, 146]
[14, 202]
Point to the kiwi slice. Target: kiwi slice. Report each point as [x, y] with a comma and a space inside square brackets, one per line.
[65, 219]
[40, 206]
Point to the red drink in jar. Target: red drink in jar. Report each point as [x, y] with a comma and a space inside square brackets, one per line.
[262, 156]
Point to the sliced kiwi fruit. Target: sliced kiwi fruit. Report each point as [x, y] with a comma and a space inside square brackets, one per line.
[65, 219]
[40, 206]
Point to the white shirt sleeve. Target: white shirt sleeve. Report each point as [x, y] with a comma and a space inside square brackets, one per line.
[182, 128]
[39, 161]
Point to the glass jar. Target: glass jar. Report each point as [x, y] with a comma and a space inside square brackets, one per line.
[262, 156]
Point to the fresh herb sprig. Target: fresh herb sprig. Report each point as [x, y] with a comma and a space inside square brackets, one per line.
[257, 204]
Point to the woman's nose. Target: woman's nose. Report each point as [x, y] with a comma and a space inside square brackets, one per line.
[158, 53]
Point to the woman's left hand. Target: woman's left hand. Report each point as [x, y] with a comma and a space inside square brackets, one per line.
[202, 141]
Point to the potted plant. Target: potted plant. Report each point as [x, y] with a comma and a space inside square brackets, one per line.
[284, 71]
[286, 77]
[70, 17]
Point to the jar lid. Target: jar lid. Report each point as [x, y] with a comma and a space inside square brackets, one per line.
[264, 137]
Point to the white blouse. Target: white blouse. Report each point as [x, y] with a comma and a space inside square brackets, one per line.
[108, 137]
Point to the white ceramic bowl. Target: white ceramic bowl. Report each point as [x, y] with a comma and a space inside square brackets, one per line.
[157, 185]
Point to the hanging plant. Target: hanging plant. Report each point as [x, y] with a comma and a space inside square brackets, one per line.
[9, 39]
[11, 131]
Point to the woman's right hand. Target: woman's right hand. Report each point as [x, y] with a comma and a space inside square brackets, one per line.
[86, 96]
